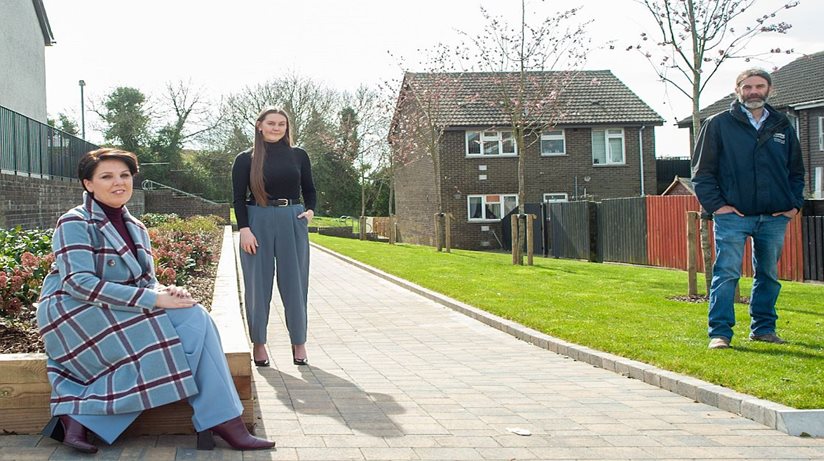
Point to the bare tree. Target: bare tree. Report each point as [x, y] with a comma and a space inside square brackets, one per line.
[191, 115]
[425, 99]
[367, 136]
[532, 63]
[301, 97]
[695, 37]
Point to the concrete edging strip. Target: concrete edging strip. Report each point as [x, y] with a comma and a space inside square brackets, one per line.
[806, 423]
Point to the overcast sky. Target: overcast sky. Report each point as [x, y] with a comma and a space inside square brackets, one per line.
[223, 46]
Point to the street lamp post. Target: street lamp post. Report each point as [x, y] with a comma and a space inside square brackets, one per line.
[82, 83]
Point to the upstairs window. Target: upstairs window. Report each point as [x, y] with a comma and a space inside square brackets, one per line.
[608, 147]
[820, 133]
[490, 207]
[553, 143]
[490, 143]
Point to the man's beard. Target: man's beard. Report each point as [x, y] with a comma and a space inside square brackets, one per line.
[754, 103]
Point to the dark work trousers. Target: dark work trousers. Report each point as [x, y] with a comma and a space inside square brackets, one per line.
[283, 244]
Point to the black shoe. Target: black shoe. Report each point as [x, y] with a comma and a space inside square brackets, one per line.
[261, 363]
[296, 361]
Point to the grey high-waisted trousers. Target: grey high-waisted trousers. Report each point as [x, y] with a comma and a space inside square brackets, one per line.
[283, 243]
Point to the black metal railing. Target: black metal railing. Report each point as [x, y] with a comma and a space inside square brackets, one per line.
[31, 148]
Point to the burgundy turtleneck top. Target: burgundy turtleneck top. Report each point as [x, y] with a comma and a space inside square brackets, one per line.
[115, 215]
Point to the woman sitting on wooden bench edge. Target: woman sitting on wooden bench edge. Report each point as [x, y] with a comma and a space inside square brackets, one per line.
[117, 341]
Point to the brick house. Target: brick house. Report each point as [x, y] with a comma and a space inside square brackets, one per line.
[798, 92]
[600, 143]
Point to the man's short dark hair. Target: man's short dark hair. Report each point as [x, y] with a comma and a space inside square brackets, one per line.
[753, 72]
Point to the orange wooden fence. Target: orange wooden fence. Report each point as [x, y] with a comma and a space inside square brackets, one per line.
[667, 234]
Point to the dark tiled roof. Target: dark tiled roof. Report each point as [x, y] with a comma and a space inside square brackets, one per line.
[591, 97]
[796, 83]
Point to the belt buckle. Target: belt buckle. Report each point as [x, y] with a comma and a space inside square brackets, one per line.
[282, 202]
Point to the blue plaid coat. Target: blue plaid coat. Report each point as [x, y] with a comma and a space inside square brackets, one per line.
[109, 349]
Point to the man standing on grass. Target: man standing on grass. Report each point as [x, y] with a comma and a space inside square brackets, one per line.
[748, 173]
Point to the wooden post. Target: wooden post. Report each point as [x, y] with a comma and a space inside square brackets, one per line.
[594, 252]
[438, 242]
[392, 231]
[692, 275]
[447, 231]
[515, 244]
[706, 252]
[530, 218]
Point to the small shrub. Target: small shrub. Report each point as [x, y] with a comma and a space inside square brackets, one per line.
[156, 219]
[180, 246]
[20, 284]
[15, 242]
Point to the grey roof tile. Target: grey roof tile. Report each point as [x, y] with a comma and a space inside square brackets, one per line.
[592, 97]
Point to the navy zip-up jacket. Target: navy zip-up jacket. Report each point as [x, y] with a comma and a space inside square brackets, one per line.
[757, 172]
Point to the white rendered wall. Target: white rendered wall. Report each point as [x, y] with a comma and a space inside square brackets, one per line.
[22, 60]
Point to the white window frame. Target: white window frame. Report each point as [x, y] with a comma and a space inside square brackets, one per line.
[550, 135]
[484, 201]
[795, 123]
[554, 197]
[821, 133]
[607, 137]
[818, 191]
[485, 136]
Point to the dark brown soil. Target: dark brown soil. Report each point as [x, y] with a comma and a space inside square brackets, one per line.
[690, 299]
[702, 299]
[20, 335]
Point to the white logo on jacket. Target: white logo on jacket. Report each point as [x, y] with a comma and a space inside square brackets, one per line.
[779, 138]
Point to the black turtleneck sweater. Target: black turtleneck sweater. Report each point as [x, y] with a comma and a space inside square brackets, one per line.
[287, 173]
[115, 216]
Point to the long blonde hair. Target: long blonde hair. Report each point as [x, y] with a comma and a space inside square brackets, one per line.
[256, 182]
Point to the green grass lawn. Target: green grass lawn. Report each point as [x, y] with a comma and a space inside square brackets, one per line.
[624, 310]
[327, 221]
[320, 221]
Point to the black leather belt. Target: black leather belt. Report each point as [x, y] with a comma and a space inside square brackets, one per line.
[277, 202]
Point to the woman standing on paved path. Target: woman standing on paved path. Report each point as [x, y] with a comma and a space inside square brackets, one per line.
[118, 342]
[274, 230]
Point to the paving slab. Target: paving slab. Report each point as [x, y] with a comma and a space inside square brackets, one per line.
[396, 375]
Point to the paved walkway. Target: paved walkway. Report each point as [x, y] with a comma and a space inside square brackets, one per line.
[395, 376]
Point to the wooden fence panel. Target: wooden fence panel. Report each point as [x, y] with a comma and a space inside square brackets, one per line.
[813, 237]
[622, 230]
[667, 231]
[569, 225]
[666, 246]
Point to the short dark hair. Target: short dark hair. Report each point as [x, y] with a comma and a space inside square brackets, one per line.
[88, 163]
[753, 72]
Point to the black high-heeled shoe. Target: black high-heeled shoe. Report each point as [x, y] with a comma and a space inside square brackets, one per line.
[234, 432]
[260, 363]
[303, 361]
[68, 431]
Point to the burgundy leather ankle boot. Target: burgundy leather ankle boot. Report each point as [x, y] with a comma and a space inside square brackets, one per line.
[74, 435]
[235, 434]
